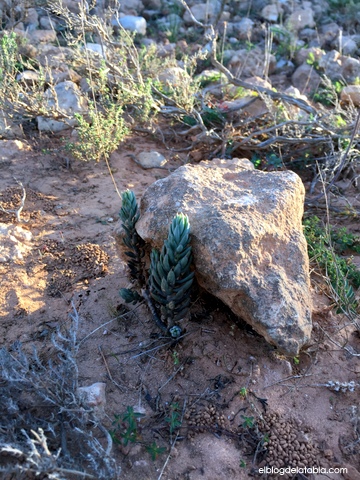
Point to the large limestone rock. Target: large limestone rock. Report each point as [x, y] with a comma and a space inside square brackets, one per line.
[248, 245]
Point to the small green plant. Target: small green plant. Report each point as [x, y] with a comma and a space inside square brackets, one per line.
[328, 95]
[8, 58]
[256, 161]
[101, 134]
[170, 275]
[339, 121]
[273, 161]
[242, 463]
[243, 392]
[126, 427]
[296, 360]
[344, 240]
[154, 451]
[129, 215]
[342, 274]
[126, 431]
[311, 60]
[174, 418]
[175, 357]
[248, 422]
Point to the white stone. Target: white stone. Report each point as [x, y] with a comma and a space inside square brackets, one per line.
[173, 76]
[31, 19]
[351, 94]
[271, 12]
[94, 396]
[133, 23]
[300, 19]
[306, 79]
[243, 28]
[151, 159]
[96, 48]
[203, 12]
[347, 45]
[69, 101]
[14, 242]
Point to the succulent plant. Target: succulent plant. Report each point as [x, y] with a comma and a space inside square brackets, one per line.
[170, 278]
[129, 295]
[129, 215]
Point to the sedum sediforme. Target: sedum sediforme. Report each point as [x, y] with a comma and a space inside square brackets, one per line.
[170, 275]
[129, 215]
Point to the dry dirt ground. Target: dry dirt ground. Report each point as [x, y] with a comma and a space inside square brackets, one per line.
[226, 385]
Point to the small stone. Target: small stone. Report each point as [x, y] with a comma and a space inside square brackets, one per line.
[300, 19]
[151, 159]
[174, 76]
[243, 28]
[306, 79]
[47, 23]
[351, 94]
[347, 45]
[203, 12]
[69, 100]
[42, 36]
[132, 7]
[94, 397]
[96, 48]
[14, 242]
[28, 76]
[132, 23]
[271, 12]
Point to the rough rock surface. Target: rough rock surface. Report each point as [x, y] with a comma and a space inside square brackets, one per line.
[351, 93]
[248, 245]
[14, 242]
[151, 159]
[69, 100]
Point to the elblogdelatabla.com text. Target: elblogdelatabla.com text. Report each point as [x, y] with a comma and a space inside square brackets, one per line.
[303, 470]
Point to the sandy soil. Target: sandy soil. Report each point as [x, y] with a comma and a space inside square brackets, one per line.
[226, 385]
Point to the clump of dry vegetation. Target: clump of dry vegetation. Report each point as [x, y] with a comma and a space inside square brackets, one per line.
[46, 429]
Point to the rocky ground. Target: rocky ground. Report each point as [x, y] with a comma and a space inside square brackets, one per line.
[221, 403]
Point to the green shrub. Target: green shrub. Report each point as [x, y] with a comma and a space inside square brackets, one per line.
[100, 135]
[341, 272]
